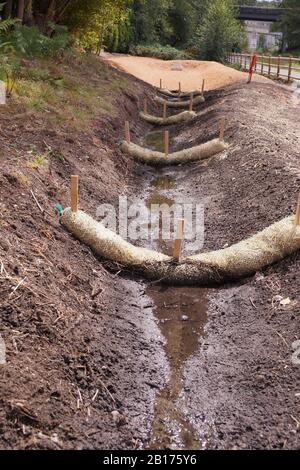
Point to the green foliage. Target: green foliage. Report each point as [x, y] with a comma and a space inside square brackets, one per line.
[150, 21]
[30, 42]
[219, 32]
[5, 25]
[291, 23]
[158, 51]
[100, 22]
[9, 72]
[181, 21]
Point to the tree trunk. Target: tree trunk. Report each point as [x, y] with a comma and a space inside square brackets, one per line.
[21, 7]
[28, 15]
[8, 8]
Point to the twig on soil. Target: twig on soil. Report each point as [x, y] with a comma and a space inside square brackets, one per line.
[97, 292]
[283, 339]
[43, 211]
[17, 286]
[95, 395]
[36, 201]
[296, 421]
[253, 304]
[106, 389]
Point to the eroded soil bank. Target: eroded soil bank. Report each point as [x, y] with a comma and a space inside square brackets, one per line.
[86, 361]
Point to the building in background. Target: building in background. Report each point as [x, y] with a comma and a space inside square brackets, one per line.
[260, 35]
[259, 22]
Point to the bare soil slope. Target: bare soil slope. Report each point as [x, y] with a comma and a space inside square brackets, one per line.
[151, 70]
[80, 333]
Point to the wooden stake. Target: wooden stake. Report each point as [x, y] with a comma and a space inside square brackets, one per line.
[167, 142]
[145, 106]
[290, 69]
[127, 132]
[74, 193]
[297, 216]
[179, 239]
[160, 83]
[222, 128]
[203, 85]
[191, 102]
[179, 88]
[165, 110]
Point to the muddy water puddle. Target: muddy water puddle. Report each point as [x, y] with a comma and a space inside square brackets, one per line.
[181, 313]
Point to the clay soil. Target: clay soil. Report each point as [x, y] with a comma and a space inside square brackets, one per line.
[85, 356]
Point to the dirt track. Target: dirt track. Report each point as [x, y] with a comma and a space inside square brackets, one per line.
[193, 72]
[78, 324]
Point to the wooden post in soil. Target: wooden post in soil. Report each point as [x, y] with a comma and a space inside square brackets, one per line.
[74, 193]
[179, 239]
[145, 106]
[167, 142]
[290, 69]
[278, 66]
[179, 88]
[203, 85]
[191, 102]
[269, 68]
[222, 128]
[297, 216]
[127, 132]
[165, 110]
[160, 84]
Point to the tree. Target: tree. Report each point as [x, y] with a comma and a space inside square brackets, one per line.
[291, 23]
[20, 11]
[219, 31]
[181, 21]
[98, 20]
[150, 21]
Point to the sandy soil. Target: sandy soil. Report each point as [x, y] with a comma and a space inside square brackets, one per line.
[152, 70]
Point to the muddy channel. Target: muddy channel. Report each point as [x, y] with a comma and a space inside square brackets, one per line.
[181, 313]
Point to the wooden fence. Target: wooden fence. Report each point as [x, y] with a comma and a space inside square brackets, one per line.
[286, 68]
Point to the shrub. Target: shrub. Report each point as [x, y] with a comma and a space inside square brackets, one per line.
[219, 32]
[158, 51]
[29, 41]
[9, 72]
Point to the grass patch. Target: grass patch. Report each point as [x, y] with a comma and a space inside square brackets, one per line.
[75, 92]
[37, 162]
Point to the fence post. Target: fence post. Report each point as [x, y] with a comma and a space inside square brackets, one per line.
[269, 70]
[262, 65]
[278, 66]
[290, 69]
[167, 142]
[74, 193]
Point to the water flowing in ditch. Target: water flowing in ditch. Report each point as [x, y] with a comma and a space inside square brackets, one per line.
[181, 313]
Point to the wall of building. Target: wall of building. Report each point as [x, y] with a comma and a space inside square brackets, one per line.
[256, 29]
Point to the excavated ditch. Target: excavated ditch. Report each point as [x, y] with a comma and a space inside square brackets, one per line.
[181, 313]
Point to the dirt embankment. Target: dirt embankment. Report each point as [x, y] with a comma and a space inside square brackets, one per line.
[81, 343]
[241, 388]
